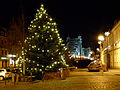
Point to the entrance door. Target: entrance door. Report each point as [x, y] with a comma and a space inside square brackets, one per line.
[108, 58]
[5, 63]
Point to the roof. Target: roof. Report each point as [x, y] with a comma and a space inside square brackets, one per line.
[3, 31]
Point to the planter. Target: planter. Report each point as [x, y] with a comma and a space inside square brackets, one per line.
[56, 75]
[51, 75]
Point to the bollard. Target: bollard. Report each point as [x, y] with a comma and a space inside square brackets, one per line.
[101, 70]
[5, 79]
[17, 78]
[62, 74]
[31, 77]
[13, 78]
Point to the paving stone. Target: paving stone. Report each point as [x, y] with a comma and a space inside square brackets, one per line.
[77, 81]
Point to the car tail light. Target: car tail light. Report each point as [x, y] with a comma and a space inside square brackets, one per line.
[97, 66]
[76, 67]
[90, 66]
[6, 73]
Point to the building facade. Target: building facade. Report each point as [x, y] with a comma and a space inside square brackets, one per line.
[74, 45]
[111, 48]
[3, 48]
[11, 43]
[16, 35]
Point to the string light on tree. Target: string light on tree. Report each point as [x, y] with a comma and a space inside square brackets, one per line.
[43, 46]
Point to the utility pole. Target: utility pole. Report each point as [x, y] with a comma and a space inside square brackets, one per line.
[23, 65]
[23, 37]
[107, 34]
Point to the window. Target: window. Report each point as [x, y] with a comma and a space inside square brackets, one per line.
[5, 41]
[5, 52]
[8, 70]
[1, 52]
[5, 44]
[1, 43]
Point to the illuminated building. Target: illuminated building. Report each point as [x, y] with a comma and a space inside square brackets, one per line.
[112, 58]
[11, 42]
[74, 45]
[3, 47]
[16, 34]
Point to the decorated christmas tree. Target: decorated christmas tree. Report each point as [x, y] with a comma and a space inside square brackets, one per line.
[44, 50]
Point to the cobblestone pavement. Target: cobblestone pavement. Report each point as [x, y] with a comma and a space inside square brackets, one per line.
[78, 80]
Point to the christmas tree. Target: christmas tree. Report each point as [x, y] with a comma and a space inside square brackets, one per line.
[43, 49]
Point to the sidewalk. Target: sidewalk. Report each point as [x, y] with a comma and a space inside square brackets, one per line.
[112, 72]
[84, 72]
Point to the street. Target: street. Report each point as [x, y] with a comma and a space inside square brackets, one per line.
[79, 79]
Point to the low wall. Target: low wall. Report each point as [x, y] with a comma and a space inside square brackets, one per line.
[55, 75]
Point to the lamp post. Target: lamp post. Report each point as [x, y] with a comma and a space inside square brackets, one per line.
[107, 34]
[99, 42]
[100, 38]
[92, 54]
[23, 54]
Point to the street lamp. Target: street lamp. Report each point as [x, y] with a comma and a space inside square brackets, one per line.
[107, 34]
[100, 38]
[92, 54]
[98, 49]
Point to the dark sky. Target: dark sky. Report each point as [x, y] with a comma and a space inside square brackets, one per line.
[87, 18]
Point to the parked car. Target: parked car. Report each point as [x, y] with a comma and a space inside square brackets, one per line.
[96, 66]
[5, 73]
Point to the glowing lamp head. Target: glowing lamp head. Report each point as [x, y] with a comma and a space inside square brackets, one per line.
[91, 52]
[101, 38]
[99, 42]
[107, 33]
[98, 49]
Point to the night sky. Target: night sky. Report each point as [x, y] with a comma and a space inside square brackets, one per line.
[87, 18]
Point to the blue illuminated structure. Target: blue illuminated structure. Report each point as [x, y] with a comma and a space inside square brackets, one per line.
[74, 45]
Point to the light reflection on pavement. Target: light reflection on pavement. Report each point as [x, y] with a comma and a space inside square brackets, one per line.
[79, 80]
